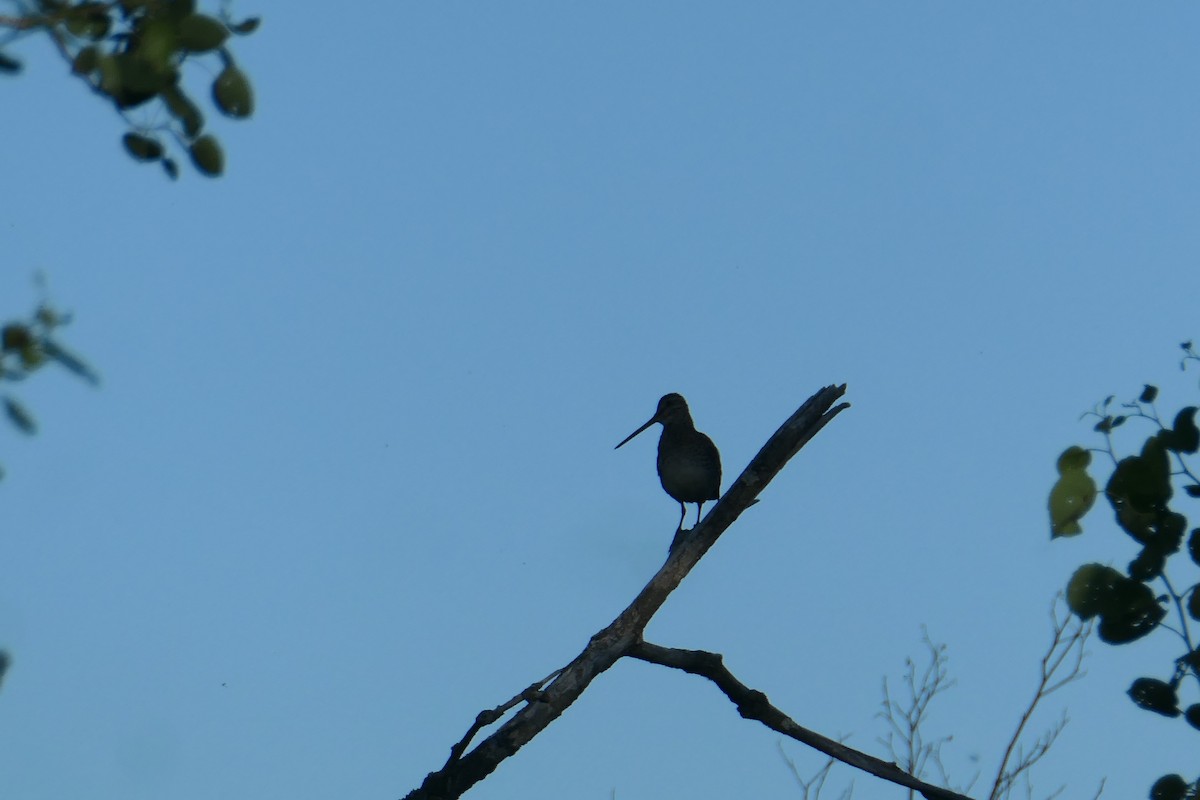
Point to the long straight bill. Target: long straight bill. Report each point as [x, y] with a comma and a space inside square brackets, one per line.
[653, 420]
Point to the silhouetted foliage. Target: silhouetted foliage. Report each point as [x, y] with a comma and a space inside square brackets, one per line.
[1141, 491]
[133, 54]
[26, 346]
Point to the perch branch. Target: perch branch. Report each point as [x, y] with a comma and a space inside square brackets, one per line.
[606, 647]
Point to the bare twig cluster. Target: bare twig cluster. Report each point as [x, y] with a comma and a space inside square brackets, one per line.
[906, 739]
[1062, 664]
[907, 716]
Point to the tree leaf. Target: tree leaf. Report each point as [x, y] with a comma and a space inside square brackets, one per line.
[19, 416]
[207, 156]
[183, 109]
[88, 20]
[1148, 565]
[1148, 394]
[9, 65]
[200, 33]
[1074, 457]
[15, 337]
[246, 26]
[232, 93]
[1088, 589]
[1184, 436]
[1155, 695]
[1192, 715]
[1130, 611]
[1142, 482]
[142, 148]
[1169, 787]
[70, 361]
[1070, 499]
[85, 60]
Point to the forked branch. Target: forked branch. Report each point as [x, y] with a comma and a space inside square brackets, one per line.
[543, 704]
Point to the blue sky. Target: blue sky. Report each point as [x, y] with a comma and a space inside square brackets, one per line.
[350, 476]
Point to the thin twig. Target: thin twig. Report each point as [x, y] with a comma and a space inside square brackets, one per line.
[1066, 648]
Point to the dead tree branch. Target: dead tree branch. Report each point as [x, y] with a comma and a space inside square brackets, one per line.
[544, 704]
[753, 704]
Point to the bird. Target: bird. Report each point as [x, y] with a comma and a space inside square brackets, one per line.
[689, 465]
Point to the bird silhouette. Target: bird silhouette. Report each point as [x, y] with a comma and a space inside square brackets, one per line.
[689, 465]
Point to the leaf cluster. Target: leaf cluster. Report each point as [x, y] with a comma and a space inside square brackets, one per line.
[1144, 491]
[25, 347]
[133, 54]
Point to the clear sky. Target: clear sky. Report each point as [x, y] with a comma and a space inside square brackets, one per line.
[350, 477]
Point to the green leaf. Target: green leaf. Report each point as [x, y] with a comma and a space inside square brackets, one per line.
[207, 156]
[32, 355]
[1169, 787]
[142, 148]
[1155, 695]
[1130, 611]
[1142, 482]
[1194, 545]
[1148, 394]
[155, 41]
[1089, 588]
[1074, 457]
[183, 109]
[1184, 436]
[232, 93]
[1148, 565]
[89, 20]
[201, 33]
[131, 80]
[1193, 603]
[246, 26]
[1170, 532]
[178, 9]
[19, 416]
[85, 60]
[70, 361]
[1070, 499]
[170, 167]
[9, 65]
[15, 337]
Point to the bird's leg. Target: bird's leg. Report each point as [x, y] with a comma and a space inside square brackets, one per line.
[682, 515]
[699, 508]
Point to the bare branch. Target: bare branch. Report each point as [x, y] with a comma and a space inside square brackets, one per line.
[607, 646]
[20, 23]
[905, 721]
[491, 715]
[753, 704]
[1062, 664]
[809, 789]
